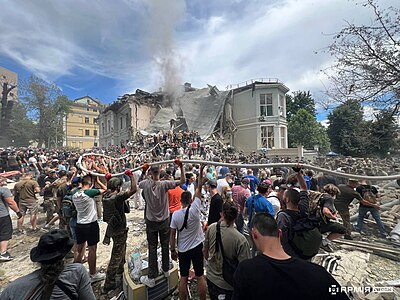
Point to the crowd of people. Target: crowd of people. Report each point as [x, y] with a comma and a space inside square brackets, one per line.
[244, 227]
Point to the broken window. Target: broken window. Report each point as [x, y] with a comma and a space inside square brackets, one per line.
[267, 137]
[266, 105]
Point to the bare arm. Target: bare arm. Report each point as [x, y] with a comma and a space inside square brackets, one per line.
[197, 193]
[133, 188]
[12, 204]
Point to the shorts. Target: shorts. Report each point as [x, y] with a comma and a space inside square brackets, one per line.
[89, 233]
[217, 293]
[332, 227]
[195, 256]
[32, 207]
[6, 229]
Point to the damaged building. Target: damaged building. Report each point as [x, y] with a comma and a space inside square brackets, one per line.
[249, 116]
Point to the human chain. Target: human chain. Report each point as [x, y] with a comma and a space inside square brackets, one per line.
[236, 165]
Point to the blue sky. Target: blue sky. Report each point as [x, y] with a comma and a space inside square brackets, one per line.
[108, 48]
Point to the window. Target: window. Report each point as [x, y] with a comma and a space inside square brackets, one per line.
[94, 110]
[87, 132]
[109, 125]
[282, 106]
[87, 108]
[95, 120]
[267, 137]
[95, 132]
[283, 137]
[95, 144]
[127, 120]
[103, 128]
[266, 105]
[86, 120]
[120, 119]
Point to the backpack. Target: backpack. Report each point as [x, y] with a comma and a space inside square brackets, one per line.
[369, 196]
[67, 206]
[314, 201]
[305, 237]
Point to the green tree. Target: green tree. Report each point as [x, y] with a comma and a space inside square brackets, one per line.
[299, 100]
[367, 66]
[47, 107]
[348, 132]
[21, 128]
[383, 133]
[304, 129]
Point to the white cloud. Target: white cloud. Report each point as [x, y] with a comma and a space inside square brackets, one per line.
[218, 43]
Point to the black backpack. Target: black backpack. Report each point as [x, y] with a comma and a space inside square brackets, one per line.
[305, 237]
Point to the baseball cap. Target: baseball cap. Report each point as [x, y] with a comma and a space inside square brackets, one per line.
[246, 181]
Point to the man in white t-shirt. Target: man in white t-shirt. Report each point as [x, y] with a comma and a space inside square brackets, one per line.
[223, 182]
[186, 226]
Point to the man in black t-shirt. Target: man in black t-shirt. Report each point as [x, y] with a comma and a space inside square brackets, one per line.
[369, 204]
[275, 275]
[216, 203]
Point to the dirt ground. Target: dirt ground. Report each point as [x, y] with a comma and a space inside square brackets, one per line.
[20, 246]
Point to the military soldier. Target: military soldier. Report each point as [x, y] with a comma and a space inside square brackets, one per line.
[114, 208]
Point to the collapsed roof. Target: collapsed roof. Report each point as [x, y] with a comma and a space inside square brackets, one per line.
[201, 109]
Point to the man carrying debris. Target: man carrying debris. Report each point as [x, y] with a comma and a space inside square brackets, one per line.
[157, 219]
[369, 204]
[342, 202]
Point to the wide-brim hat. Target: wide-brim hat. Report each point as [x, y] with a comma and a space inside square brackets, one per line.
[54, 244]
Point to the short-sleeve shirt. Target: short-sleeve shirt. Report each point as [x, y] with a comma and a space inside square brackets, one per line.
[191, 236]
[361, 189]
[4, 193]
[174, 199]
[156, 197]
[27, 191]
[239, 196]
[215, 209]
[261, 204]
[85, 205]
[235, 247]
[346, 196]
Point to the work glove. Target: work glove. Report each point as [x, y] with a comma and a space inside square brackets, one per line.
[145, 167]
[128, 173]
[108, 176]
[178, 162]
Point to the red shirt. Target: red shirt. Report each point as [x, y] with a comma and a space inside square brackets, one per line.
[174, 199]
[239, 196]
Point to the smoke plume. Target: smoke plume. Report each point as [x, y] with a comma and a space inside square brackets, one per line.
[163, 18]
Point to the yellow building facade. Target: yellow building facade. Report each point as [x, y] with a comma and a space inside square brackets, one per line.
[81, 126]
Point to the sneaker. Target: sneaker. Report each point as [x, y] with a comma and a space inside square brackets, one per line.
[97, 277]
[150, 282]
[6, 256]
[347, 237]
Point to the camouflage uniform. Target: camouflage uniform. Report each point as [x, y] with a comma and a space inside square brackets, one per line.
[116, 265]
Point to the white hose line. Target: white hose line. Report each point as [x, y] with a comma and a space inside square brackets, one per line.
[254, 166]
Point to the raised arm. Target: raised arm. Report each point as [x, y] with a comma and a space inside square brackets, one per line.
[197, 193]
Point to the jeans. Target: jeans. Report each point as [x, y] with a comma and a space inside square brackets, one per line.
[362, 211]
[153, 230]
[239, 223]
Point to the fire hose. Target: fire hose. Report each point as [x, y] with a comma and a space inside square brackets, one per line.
[237, 165]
